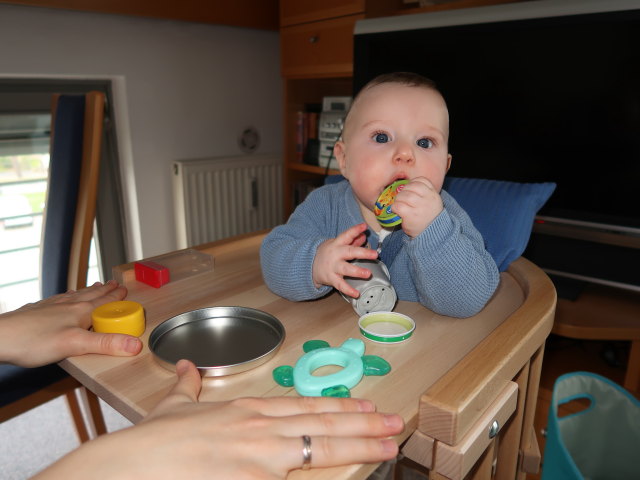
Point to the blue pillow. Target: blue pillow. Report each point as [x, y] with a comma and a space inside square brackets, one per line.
[502, 211]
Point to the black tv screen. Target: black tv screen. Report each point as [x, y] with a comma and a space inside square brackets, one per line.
[544, 91]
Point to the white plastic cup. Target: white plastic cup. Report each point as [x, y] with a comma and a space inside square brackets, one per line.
[376, 293]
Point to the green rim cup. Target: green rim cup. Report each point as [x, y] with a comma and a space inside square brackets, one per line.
[386, 327]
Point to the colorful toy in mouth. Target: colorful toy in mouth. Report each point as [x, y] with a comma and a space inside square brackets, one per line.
[382, 208]
[350, 356]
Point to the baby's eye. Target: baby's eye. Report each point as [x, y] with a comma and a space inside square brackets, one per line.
[381, 137]
[424, 143]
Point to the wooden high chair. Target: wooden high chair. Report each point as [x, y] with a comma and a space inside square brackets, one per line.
[476, 422]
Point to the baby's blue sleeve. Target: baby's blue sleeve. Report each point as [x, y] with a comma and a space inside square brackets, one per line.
[448, 266]
[460, 276]
[288, 251]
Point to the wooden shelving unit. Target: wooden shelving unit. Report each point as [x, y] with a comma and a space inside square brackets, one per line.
[317, 61]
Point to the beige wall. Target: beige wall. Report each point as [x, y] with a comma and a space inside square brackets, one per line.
[185, 90]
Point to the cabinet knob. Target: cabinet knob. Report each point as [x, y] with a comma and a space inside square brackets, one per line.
[314, 39]
[494, 429]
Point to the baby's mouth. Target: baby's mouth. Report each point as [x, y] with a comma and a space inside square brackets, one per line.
[395, 179]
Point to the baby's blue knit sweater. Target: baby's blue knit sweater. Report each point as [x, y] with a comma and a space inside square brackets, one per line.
[446, 268]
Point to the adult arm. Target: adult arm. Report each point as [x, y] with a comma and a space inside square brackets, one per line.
[250, 438]
[57, 327]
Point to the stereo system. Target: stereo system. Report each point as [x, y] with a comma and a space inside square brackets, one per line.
[334, 111]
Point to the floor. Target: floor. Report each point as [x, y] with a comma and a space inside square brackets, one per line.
[36, 439]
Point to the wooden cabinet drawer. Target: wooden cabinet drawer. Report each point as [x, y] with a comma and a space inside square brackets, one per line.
[293, 12]
[318, 49]
[456, 461]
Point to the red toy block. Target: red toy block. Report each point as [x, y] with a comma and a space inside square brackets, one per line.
[151, 273]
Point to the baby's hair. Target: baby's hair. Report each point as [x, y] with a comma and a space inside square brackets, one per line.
[409, 79]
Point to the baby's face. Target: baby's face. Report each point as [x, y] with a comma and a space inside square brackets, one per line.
[394, 132]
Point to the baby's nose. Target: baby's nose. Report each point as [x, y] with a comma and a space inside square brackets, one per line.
[404, 154]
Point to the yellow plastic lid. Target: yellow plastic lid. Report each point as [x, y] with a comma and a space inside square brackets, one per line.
[123, 316]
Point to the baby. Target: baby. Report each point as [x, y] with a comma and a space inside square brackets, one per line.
[397, 129]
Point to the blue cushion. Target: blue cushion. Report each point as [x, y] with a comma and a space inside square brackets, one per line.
[502, 211]
[18, 382]
[62, 193]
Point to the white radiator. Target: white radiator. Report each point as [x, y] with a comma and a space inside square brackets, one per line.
[216, 198]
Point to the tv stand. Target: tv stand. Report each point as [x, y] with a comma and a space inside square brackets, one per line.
[567, 288]
[604, 313]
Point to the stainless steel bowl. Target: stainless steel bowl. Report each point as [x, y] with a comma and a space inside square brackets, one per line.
[219, 340]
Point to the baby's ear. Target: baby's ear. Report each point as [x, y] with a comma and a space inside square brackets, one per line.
[449, 158]
[339, 153]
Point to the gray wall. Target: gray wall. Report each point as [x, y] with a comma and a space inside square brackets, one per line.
[185, 90]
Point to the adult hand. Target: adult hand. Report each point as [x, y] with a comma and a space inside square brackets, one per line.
[248, 438]
[57, 327]
[331, 263]
[418, 204]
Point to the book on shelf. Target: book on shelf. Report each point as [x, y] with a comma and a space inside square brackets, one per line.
[307, 144]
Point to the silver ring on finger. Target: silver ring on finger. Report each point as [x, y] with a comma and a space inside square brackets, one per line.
[306, 452]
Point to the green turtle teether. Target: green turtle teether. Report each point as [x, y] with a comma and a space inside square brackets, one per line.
[350, 356]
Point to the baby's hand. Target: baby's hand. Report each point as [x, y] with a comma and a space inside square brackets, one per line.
[331, 263]
[418, 204]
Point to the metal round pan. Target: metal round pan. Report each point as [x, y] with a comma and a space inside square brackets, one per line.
[219, 340]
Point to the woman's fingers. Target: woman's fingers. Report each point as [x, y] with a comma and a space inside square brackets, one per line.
[288, 406]
[335, 451]
[185, 391]
[116, 344]
[98, 294]
[323, 416]
[343, 425]
[189, 382]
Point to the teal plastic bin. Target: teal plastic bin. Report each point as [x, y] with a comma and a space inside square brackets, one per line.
[600, 442]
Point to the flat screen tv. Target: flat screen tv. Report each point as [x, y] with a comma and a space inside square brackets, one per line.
[538, 91]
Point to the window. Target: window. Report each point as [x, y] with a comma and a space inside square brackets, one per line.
[25, 121]
[24, 164]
